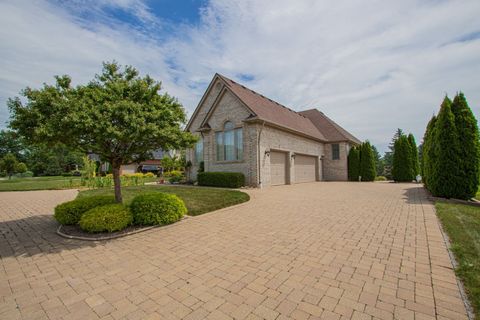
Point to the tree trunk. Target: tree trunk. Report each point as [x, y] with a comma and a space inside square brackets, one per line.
[117, 183]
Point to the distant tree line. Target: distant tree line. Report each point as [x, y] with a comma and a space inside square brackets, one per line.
[39, 159]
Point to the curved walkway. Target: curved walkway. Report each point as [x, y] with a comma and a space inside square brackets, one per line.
[308, 251]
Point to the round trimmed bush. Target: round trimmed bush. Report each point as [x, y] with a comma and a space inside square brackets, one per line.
[111, 217]
[70, 212]
[157, 208]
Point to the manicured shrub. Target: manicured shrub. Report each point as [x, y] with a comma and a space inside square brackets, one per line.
[110, 218]
[174, 176]
[445, 179]
[380, 178]
[413, 156]
[157, 208]
[467, 133]
[367, 162]
[353, 164]
[70, 212]
[221, 179]
[402, 160]
[427, 158]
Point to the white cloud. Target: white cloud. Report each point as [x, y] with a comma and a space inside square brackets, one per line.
[372, 66]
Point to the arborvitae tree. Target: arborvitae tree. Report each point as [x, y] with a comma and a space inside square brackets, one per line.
[402, 160]
[353, 164]
[467, 134]
[427, 154]
[367, 162]
[445, 178]
[414, 155]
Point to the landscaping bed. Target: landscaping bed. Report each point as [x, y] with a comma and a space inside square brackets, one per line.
[94, 214]
[198, 200]
[462, 225]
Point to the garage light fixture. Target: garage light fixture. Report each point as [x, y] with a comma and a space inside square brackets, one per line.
[267, 153]
[293, 156]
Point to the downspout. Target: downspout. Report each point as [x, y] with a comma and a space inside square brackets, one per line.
[258, 156]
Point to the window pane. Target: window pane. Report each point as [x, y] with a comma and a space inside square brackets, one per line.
[229, 143]
[199, 150]
[335, 151]
[219, 145]
[239, 143]
[228, 126]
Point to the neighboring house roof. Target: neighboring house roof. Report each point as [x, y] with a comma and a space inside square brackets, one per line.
[312, 123]
[331, 130]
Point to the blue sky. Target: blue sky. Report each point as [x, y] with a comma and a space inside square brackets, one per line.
[372, 65]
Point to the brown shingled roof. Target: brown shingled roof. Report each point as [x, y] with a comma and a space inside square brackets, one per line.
[331, 130]
[312, 123]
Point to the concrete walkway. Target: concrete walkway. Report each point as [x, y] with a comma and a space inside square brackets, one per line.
[308, 251]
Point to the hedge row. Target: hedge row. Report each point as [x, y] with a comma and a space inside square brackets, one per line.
[221, 179]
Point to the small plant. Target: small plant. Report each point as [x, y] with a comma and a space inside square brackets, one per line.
[149, 175]
[221, 179]
[69, 213]
[380, 178]
[174, 176]
[157, 208]
[110, 218]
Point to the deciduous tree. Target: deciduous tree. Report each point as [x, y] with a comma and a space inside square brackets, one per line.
[119, 115]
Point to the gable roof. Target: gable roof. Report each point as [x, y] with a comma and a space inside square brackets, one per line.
[311, 123]
[330, 129]
[272, 111]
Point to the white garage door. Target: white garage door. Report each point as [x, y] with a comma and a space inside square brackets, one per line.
[278, 165]
[304, 168]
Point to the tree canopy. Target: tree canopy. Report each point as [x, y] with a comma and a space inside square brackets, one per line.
[119, 115]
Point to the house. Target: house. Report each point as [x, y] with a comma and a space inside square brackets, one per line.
[150, 165]
[241, 130]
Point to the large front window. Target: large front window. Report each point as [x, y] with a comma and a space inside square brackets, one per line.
[229, 143]
[199, 151]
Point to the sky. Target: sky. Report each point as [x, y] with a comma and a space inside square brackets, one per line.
[372, 66]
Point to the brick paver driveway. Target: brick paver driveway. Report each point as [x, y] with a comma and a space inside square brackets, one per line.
[317, 250]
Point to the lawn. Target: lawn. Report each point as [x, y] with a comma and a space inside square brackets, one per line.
[462, 224]
[197, 199]
[39, 183]
[45, 183]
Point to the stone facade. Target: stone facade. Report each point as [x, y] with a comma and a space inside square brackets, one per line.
[336, 170]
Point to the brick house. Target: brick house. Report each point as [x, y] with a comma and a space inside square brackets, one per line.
[240, 130]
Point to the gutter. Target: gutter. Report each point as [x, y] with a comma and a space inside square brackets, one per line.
[258, 156]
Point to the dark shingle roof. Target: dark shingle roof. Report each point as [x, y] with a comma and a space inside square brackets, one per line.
[312, 123]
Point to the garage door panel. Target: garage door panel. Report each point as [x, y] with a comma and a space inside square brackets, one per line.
[278, 165]
[305, 168]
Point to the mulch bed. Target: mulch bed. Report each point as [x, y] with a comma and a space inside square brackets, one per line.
[74, 232]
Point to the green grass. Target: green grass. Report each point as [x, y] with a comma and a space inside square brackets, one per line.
[462, 224]
[477, 196]
[198, 200]
[38, 183]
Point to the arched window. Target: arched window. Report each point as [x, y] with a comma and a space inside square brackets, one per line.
[229, 143]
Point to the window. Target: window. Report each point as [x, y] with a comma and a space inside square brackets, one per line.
[199, 151]
[229, 143]
[335, 151]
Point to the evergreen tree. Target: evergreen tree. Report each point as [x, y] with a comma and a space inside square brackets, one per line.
[467, 134]
[353, 164]
[427, 154]
[379, 164]
[367, 162]
[402, 160]
[414, 156]
[445, 178]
